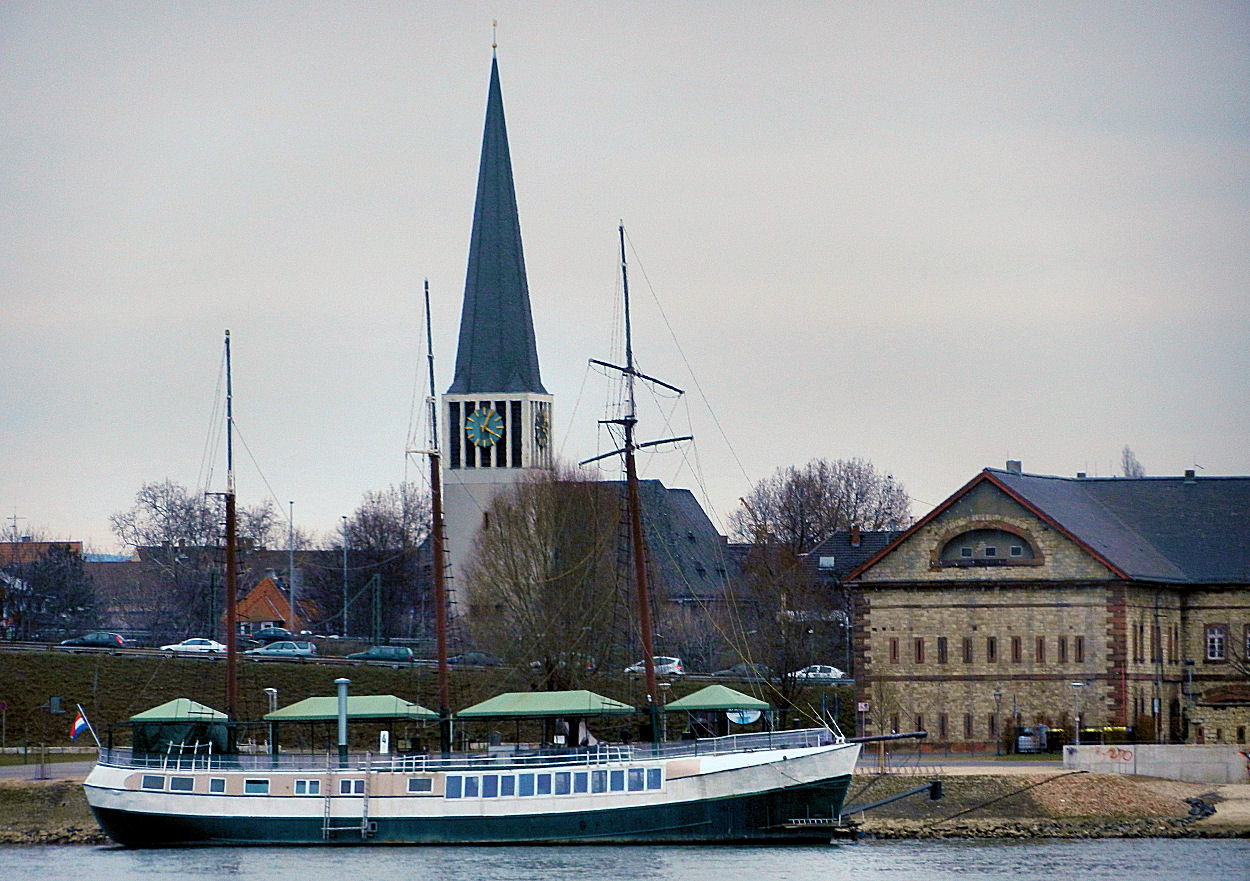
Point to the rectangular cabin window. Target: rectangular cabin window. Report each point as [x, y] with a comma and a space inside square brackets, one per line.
[580, 781]
[256, 787]
[181, 784]
[421, 784]
[455, 785]
[598, 781]
[470, 787]
[636, 780]
[991, 649]
[507, 786]
[351, 787]
[617, 780]
[563, 782]
[655, 778]
[217, 784]
[941, 650]
[153, 781]
[525, 785]
[544, 784]
[967, 649]
[490, 786]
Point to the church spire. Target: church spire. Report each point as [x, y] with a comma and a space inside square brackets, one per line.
[497, 352]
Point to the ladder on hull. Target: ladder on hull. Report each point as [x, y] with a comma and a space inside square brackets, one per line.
[364, 828]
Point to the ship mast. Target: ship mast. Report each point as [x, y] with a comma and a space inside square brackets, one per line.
[627, 422]
[436, 547]
[232, 686]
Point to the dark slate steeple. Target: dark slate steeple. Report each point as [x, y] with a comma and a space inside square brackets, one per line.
[497, 352]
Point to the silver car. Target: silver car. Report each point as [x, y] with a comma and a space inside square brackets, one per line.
[285, 649]
[196, 644]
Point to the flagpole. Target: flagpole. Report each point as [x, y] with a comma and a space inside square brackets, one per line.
[90, 728]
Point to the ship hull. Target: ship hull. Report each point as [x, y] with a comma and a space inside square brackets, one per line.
[795, 798]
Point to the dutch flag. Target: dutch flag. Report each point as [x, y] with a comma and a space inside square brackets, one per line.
[79, 726]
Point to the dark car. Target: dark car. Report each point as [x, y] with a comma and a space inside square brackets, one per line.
[477, 659]
[96, 639]
[393, 653]
[272, 634]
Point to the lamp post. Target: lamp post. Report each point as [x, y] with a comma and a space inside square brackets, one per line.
[344, 633]
[998, 738]
[1076, 702]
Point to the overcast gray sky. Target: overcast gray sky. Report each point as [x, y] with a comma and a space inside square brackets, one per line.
[933, 235]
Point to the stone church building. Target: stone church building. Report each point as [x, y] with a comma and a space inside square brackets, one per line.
[1023, 600]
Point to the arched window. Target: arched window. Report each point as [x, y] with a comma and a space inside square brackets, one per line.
[986, 547]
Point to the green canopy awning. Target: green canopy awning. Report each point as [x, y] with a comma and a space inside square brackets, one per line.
[717, 697]
[546, 703]
[180, 710]
[362, 706]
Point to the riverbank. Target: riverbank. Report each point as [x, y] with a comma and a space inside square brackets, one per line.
[1008, 803]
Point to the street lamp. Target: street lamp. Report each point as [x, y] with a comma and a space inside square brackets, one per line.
[272, 694]
[1076, 700]
[998, 737]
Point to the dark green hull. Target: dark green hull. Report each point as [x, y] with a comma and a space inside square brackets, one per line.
[758, 818]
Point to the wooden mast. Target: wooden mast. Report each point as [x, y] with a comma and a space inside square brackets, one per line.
[436, 547]
[232, 577]
[628, 421]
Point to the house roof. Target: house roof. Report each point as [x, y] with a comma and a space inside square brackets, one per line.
[360, 706]
[1171, 529]
[497, 351]
[847, 552]
[546, 703]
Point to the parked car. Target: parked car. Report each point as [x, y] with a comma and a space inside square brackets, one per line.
[749, 672]
[195, 644]
[285, 649]
[96, 639]
[479, 659]
[393, 653]
[272, 634]
[570, 661]
[664, 666]
[818, 673]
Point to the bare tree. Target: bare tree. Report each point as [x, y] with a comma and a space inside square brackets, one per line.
[799, 506]
[1129, 464]
[542, 578]
[48, 594]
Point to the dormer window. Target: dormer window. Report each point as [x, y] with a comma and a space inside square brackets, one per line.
[986, 547]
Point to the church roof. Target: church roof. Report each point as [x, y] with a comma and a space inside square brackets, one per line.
[497, 351]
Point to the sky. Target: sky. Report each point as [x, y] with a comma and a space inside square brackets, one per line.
[936, 236]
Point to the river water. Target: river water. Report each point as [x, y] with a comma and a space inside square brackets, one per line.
[1085, 860]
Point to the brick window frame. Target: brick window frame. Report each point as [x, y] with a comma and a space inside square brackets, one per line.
[1017, 650]
[941, 648]
[1078, 649]
[1039, 650]
[1215, 643]
[918, 650]
[968, 658]
[991, 649]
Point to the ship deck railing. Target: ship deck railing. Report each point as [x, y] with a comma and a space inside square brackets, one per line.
[199, 757]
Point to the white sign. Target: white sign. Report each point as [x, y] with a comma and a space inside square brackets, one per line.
[861, 707]
[384, 742]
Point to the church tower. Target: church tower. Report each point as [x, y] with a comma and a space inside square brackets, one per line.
[497, 413]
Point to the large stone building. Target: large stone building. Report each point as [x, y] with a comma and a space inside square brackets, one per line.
[1023, 599]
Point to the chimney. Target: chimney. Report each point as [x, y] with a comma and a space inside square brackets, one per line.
[1014, 466]
[1080, 475]
[855, 535]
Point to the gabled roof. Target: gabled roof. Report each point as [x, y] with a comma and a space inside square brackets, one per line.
[546, 703]
[1170, 529]
[849, 551]
[497, 351]
[717, 697]
[361, 706]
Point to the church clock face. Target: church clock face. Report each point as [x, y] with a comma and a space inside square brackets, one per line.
[541, 428]
[484, 427]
